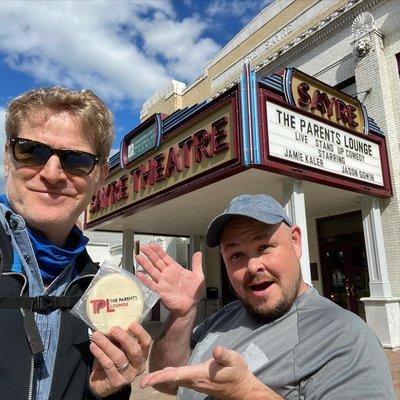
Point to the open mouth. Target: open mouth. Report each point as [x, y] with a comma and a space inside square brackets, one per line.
[260, 286]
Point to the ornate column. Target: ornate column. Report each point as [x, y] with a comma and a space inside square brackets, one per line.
[293, 197]
[382, 310]
[379, 216]
[128, 248]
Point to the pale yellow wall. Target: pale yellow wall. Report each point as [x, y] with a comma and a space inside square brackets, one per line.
[274, 25]
[197, 93]
[165, 106]
[202, 88]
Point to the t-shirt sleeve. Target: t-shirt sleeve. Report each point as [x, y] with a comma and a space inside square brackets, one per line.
[348, 364]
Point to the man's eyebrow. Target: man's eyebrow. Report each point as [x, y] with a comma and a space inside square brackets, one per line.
[261, 237]
[229, 245]
[254, 238]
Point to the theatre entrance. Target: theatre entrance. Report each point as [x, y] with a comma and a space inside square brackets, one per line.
[343, 258]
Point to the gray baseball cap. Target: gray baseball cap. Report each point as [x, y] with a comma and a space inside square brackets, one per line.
[261, 207]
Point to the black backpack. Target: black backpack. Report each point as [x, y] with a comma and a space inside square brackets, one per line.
[40, 304]
[6, 251]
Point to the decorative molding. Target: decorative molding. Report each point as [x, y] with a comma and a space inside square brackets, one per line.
[363, 24]
[308, 39]
[314, 35]
[362, 28]
[362, 47]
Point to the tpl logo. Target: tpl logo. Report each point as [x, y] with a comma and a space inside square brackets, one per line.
[99, 304]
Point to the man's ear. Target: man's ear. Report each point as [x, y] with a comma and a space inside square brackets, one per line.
[295, 232]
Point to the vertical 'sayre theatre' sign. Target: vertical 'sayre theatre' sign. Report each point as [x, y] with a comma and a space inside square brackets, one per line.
[294, 137]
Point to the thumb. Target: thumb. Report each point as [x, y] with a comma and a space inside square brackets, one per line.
[196, 263]
[224, 356]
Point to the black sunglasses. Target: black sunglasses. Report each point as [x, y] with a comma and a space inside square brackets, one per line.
[34, 154]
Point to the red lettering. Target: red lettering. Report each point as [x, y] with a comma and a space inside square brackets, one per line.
[144, 176]
[158, 165]
[147, 176]
[186, 146]
[100, 304]
[218, 134]
[304, 98]
[341, 109]
[110, 194]
[317, 102]
[163, 165]
[94, 203]
[351, 116]
[327, 106]
[172, 162]
[120, 189]
[328, 103]
[201, 139]
[136, 173]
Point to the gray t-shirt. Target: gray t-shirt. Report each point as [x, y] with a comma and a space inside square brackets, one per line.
[317, 350]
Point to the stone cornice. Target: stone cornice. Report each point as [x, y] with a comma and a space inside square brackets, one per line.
[344, 15]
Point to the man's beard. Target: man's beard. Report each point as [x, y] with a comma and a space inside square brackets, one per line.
[263, 314]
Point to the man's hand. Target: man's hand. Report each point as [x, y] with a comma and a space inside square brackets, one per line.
[224, 376]
[179, 289]
[119, 359]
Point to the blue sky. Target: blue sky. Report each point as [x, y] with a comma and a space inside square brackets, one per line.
[122, 50]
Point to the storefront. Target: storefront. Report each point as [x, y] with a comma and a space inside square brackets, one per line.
[317, 150]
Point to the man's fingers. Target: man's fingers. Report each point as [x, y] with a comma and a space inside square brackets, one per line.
[156, 256]
[148, 266]
[224, 356]
[196, 264]
[131, 348]
[162, 254]
[117, 356]
[180, 376]
[103, 360]
[147, 281]
[142, 336]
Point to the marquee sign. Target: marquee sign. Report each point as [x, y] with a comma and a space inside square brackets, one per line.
[207, 143]
[297, 138]
[321, 100]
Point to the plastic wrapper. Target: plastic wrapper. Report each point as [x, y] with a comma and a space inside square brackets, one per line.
[115, 297]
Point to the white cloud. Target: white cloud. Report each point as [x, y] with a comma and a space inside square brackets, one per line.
[237, 8]
[113, 151]
[180, 42]
[243, 9]
[2, 141]
[123, 50]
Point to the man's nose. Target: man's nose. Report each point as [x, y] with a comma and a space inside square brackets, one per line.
[52, 171]
[255, 265]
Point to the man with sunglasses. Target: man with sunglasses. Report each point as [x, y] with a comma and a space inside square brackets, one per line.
[55, 158]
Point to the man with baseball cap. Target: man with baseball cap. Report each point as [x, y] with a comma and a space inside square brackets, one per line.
[279, 340]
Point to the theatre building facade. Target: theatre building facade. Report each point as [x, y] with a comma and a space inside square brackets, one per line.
[300, 105]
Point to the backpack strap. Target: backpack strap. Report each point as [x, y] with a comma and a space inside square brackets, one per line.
[39, 304]
[29, 305]
[6, 250]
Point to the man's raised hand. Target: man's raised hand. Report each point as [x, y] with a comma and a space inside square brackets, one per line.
[179, 289]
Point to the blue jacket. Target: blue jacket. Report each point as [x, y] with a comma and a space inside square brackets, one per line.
[73, 360]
